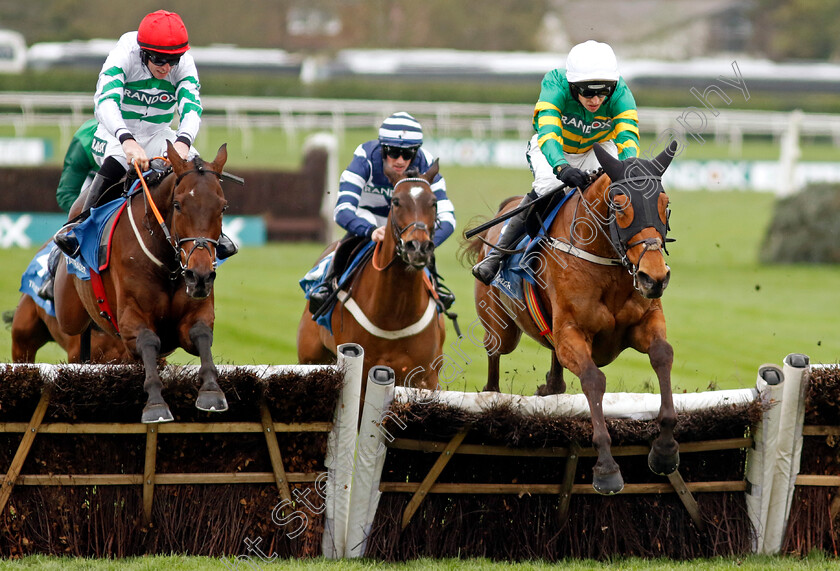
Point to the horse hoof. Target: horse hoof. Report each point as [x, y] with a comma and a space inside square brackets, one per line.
[156, 413]
[211, 401]
[663, 465]
[608, 484]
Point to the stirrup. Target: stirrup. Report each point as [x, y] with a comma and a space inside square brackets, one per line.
[319, 296]
[67, 241]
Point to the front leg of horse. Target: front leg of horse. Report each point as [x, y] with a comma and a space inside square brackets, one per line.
[606, 475]
[210, 395]
[664, 457]
[156, 409]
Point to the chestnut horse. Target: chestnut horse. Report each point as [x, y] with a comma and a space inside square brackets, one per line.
[600, 272]
[159, 284]
[389, 309]
[33, 327]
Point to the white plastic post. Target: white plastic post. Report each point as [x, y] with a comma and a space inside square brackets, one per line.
[329, 143]
[341, 445]
[789, 450]
[370, 458]
[761, 457]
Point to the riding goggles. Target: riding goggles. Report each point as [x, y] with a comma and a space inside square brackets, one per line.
[595, 88]
[162, 59]
[407, 153]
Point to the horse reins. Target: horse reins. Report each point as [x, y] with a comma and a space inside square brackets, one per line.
[199, 242]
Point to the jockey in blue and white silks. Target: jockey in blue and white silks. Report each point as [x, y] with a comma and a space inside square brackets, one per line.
[364, 195]
[364, 192]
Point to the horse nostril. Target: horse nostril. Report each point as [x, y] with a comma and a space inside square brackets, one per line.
[428, 247]
[189, 276]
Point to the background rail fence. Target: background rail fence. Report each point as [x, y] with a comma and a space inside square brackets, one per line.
[410, 473]
[24, 110]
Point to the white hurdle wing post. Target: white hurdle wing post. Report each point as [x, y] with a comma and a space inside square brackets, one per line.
[370, 459]
[341, 445]
[761, 457]
[789, 450]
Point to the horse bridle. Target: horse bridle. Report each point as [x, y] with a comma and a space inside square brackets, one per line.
[199, 242]
[397, 232]
[619, 237]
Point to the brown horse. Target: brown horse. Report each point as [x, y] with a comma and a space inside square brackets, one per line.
[33, 327]
[159, 284]
[600, 273]
[388, 309]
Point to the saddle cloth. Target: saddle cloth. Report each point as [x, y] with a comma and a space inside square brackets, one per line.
[34, 276]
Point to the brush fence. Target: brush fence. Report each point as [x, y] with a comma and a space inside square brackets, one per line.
[383, 481]
[749, 442]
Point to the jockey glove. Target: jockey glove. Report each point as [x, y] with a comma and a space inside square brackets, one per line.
[572, 177]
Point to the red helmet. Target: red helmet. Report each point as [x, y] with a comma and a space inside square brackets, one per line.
[163, 32]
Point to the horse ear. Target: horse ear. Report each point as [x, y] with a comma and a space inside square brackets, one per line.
[611, 165]
[178, 164]
[218, 163]
[663, 159]
[431, 172]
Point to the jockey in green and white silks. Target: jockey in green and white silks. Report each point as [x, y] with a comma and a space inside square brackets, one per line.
[586, 103]
[145, 78]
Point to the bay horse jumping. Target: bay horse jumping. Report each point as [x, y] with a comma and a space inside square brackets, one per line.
[33, 327]
[600, 272]
[159, 283]
[388, 308]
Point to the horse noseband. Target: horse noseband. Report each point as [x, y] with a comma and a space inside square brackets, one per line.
[198, 244]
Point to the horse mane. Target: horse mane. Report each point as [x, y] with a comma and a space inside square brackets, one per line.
[469, 250]
[412, 172]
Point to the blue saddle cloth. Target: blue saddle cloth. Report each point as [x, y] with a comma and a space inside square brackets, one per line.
[315, 277]
[89, 234]
[516, 267]
[35, 274]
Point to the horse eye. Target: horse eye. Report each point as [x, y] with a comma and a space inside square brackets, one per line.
[395, 202]
[177, 206]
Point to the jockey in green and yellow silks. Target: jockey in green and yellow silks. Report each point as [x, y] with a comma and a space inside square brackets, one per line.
[586, 103]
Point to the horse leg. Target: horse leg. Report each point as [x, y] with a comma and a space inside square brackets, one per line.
[492, 373]
[210, 395]
[310, 350]
[156, 409]
[29, 333]
[554, 383]
[664, 454]
[574, 350]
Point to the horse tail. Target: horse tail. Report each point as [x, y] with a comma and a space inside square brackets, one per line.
[8, 317]
[470, 249]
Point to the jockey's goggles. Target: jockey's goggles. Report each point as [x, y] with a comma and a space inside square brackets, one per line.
[595, 88]
[162, 59]
[407, 153]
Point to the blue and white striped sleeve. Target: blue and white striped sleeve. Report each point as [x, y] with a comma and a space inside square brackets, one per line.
[353, 180]
[445, 212]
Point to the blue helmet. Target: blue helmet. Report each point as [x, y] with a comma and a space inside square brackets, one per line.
[401, 130]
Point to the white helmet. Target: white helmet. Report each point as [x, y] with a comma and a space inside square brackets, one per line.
[591, 60]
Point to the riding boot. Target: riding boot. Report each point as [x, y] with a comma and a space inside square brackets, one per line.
[66, 238]
[47, 289]
[226, 247]
[319, 296]
[486, 270]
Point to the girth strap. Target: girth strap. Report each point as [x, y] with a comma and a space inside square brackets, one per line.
[102, 300]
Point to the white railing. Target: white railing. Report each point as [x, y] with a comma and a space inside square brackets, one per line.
[441, 119]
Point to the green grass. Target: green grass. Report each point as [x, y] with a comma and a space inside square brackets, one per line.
[814, 562]
[726, 313]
